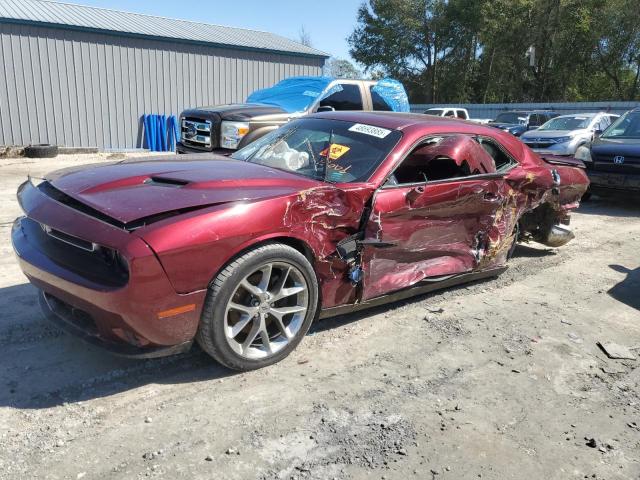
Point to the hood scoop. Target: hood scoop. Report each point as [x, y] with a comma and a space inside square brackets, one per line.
[166, 182]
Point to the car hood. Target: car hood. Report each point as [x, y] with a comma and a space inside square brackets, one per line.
[237, 112]
[622, 146]
[553, 133]
[133, 190]
[510, 126]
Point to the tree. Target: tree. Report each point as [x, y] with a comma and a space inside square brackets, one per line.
[475, 50]
[341, 68]
[304, 37]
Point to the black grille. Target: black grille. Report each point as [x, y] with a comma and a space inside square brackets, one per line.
[606, 163]
[77, 317]
[100, 266]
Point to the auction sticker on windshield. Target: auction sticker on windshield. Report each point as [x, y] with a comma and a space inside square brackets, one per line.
[337, 151]
[370, 130]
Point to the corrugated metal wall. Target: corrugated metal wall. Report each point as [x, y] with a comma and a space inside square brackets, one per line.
[89, 89]
[490, 110]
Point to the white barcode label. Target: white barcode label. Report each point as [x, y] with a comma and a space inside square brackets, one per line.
[370, 130]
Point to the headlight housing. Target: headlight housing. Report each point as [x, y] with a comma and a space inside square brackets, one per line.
[563, 139]
[231, 133]
[584, 153]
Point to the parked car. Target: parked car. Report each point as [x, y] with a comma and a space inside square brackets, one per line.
[458, 112]
[564, 134]
[225, 128]
[517, 122]
[329, 214]
[613, 158]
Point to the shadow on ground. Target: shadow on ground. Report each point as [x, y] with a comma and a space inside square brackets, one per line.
[628, 290]
[44, 367]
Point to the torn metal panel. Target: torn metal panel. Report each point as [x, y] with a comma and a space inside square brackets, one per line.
[436, 230]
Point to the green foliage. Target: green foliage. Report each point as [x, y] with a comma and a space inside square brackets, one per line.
[340, 68]
[476, 50]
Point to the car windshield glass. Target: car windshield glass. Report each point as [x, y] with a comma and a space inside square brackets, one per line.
[567, 123]
[627, 126]
[511, 117]
[434, 111]
[329, 150]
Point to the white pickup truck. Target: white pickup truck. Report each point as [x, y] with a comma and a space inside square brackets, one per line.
[455, 112]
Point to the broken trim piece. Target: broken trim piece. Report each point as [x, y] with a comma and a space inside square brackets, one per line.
[418, 289]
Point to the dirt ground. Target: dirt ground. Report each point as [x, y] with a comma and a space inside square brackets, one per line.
[501, 379]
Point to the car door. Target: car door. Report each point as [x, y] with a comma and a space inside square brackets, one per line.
[425, 230]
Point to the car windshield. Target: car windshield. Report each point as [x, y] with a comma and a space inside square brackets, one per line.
[511, 117]
[570, 122]
[627, 126]
[434, 111]
[330, 150]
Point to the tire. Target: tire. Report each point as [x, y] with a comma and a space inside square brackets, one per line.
[238, 308]
[41, 151]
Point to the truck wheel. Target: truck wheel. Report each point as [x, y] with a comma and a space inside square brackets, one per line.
[41, 151]
[259, 307]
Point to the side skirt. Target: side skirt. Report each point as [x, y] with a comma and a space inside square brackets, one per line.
[418, 289]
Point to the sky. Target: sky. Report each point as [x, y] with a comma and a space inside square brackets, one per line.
[328, 22]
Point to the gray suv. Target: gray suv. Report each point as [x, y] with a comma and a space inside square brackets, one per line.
[564, 134]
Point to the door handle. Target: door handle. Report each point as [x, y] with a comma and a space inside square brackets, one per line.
[414, 193]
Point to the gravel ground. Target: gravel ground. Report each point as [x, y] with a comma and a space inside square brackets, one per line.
[501, 379]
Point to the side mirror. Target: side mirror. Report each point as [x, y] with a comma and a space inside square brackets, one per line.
[325, 108]
[597, 132]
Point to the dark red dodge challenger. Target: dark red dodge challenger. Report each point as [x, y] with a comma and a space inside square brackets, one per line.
[328, 214]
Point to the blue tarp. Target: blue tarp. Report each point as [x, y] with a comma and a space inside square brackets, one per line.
[393, 93]
[297, 94]
[161, 133]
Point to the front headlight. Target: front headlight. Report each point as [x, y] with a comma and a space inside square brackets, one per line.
[563, 139]
[583, 153]
[231, 133]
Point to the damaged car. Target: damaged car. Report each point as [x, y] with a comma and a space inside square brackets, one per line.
[329, 214]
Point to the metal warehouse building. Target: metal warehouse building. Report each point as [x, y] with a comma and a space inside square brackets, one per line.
[82, 76]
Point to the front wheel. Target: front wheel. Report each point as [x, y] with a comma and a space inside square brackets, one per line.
[259, 307]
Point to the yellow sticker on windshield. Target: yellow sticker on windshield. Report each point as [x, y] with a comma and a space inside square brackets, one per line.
[336, 152]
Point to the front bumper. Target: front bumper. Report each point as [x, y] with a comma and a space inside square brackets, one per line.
[127, 315]
[76, 323]
[614, 181]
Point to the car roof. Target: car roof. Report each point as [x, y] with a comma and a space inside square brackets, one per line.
[526, 111]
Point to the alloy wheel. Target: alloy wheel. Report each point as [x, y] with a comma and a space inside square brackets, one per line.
[266, 310]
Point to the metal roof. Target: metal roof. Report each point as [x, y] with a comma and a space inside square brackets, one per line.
[81, 17]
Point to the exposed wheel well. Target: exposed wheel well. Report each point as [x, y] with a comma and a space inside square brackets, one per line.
[536, 224]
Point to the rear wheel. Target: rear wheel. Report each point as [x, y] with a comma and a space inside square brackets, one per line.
[259, 308]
